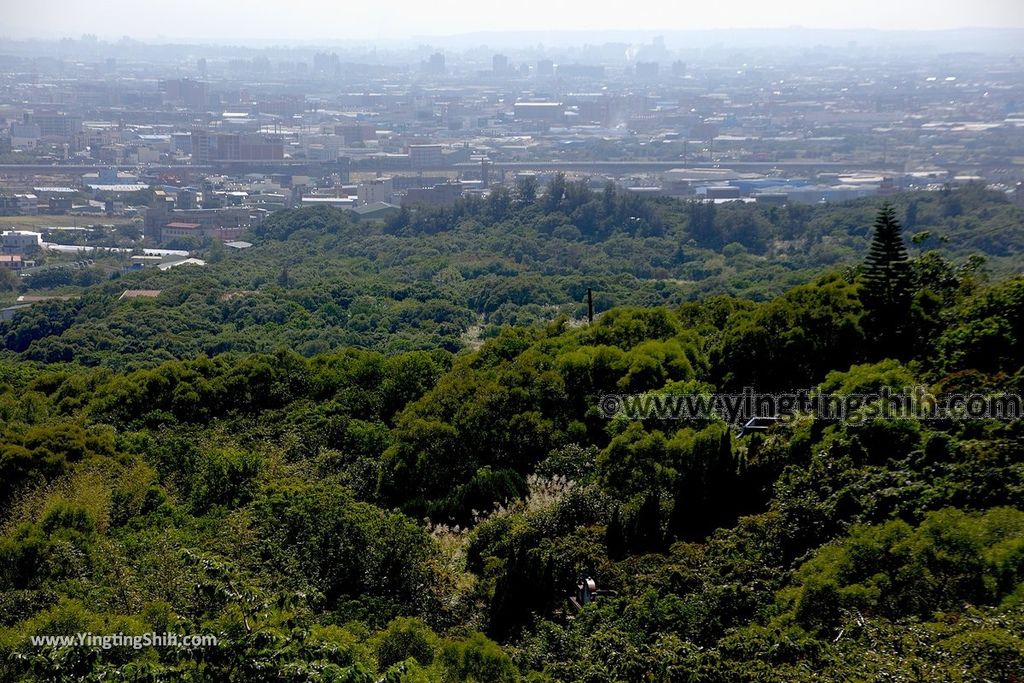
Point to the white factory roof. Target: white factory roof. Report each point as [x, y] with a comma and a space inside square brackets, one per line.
[126, 187]
[185, 262]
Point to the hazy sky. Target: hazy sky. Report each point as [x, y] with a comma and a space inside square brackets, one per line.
[360, 19]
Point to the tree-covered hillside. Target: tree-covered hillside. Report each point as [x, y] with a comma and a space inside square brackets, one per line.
[446, 278]
[334, 513]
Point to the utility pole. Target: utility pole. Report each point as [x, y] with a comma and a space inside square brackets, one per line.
[590, 305]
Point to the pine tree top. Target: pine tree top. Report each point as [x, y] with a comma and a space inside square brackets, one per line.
[886, 273]
[887, 253]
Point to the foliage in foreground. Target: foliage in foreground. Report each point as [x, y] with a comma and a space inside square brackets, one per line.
[424, 516]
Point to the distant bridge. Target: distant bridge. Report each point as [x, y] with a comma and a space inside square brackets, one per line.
[297, 167]
[801, 165]
[314, 168]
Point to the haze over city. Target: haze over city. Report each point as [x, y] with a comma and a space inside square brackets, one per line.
[307, 20]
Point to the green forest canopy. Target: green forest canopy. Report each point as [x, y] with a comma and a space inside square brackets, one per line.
[445, 278]
[424, 514]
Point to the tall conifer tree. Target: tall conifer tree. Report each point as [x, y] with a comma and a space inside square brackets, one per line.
[887, 290]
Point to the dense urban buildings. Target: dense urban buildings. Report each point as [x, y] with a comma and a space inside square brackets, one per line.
[289, 127]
